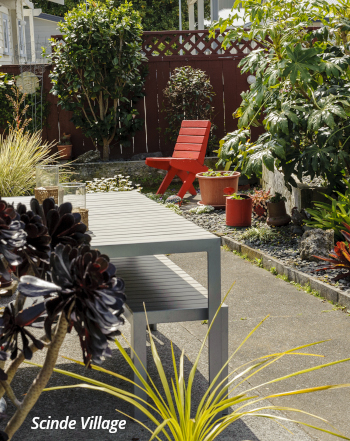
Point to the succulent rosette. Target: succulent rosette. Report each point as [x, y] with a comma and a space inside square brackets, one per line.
[85, 289]
[12, 236]
[63, 226]
[12, 325]
[36, 251]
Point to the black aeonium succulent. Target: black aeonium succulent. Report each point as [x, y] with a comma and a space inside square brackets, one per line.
[86, 291]
[36, 252]
[12, 236]
[64, 226]
[13, 324]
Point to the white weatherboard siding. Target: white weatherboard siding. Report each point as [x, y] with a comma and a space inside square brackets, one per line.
[6, 58]
[44, 28]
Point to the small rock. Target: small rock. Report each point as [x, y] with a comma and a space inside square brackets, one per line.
[90, 156]
[316, 242]
[296, 229]
[306, 228]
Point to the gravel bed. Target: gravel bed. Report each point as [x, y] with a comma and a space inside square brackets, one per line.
[280, 243]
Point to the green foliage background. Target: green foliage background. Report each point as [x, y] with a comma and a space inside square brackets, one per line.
[188, 95]
[301, 94]
[157, 15]
[101, 93]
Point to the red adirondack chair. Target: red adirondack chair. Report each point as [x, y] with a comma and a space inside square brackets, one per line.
[188, 156]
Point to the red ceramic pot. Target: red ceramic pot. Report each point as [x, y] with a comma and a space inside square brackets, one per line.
[239, 212]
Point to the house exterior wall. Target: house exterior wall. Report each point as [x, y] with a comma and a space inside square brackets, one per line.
[13, 10]
[5, 58]
[43, 29]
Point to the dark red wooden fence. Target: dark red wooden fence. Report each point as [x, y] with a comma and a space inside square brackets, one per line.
[165, 51]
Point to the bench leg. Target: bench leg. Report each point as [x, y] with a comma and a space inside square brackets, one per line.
[138, 343]
[153, 327]
[167, 180]
[218, 336]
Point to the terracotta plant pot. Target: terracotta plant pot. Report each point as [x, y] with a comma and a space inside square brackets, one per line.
[239, 212]
[212, 188]
[277, 214]
[65, 151]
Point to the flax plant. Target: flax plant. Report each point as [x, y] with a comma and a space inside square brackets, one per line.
[20, 152]
[172, 414]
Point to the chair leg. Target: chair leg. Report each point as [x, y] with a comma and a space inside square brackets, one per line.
[187, 186]
[183, 175]
[138, 343]
[167, 180]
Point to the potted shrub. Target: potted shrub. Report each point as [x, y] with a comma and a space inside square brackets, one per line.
[260, 199]
[65, 147]
[277, 211]
[238, 208]
[212, 186]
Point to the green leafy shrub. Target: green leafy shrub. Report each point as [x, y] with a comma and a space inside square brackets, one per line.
[188, 95]
[301, 94]
[332, 215]
[98, 72]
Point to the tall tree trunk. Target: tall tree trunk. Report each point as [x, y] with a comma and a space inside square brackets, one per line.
[105, 152]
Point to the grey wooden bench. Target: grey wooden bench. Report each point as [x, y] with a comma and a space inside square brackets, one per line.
[169, 294]
[129, 225]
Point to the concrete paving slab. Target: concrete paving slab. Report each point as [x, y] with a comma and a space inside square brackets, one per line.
[296, 318]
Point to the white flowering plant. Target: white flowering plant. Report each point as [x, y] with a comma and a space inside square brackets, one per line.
[117, 183]
[201, 209]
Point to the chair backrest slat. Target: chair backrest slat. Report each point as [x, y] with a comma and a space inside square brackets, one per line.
[192, 140]
[188, 147]
[184, 154]
[195, 123]
[192, 131]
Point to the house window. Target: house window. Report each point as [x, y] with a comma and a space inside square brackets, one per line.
[6, 37]
[21, 38]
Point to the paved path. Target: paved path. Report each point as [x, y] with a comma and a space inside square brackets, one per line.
[295, 318]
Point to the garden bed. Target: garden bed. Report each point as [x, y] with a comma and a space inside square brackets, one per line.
[280, 243]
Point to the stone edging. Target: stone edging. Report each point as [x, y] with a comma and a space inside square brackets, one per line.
[328, 292]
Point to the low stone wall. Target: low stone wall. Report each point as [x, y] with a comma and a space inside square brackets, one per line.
[301, 196]
[139, 172]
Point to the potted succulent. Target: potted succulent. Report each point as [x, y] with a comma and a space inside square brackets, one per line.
[277, 211]
[65, 147]
[212, 184]
[238, 208]
[260, 199]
